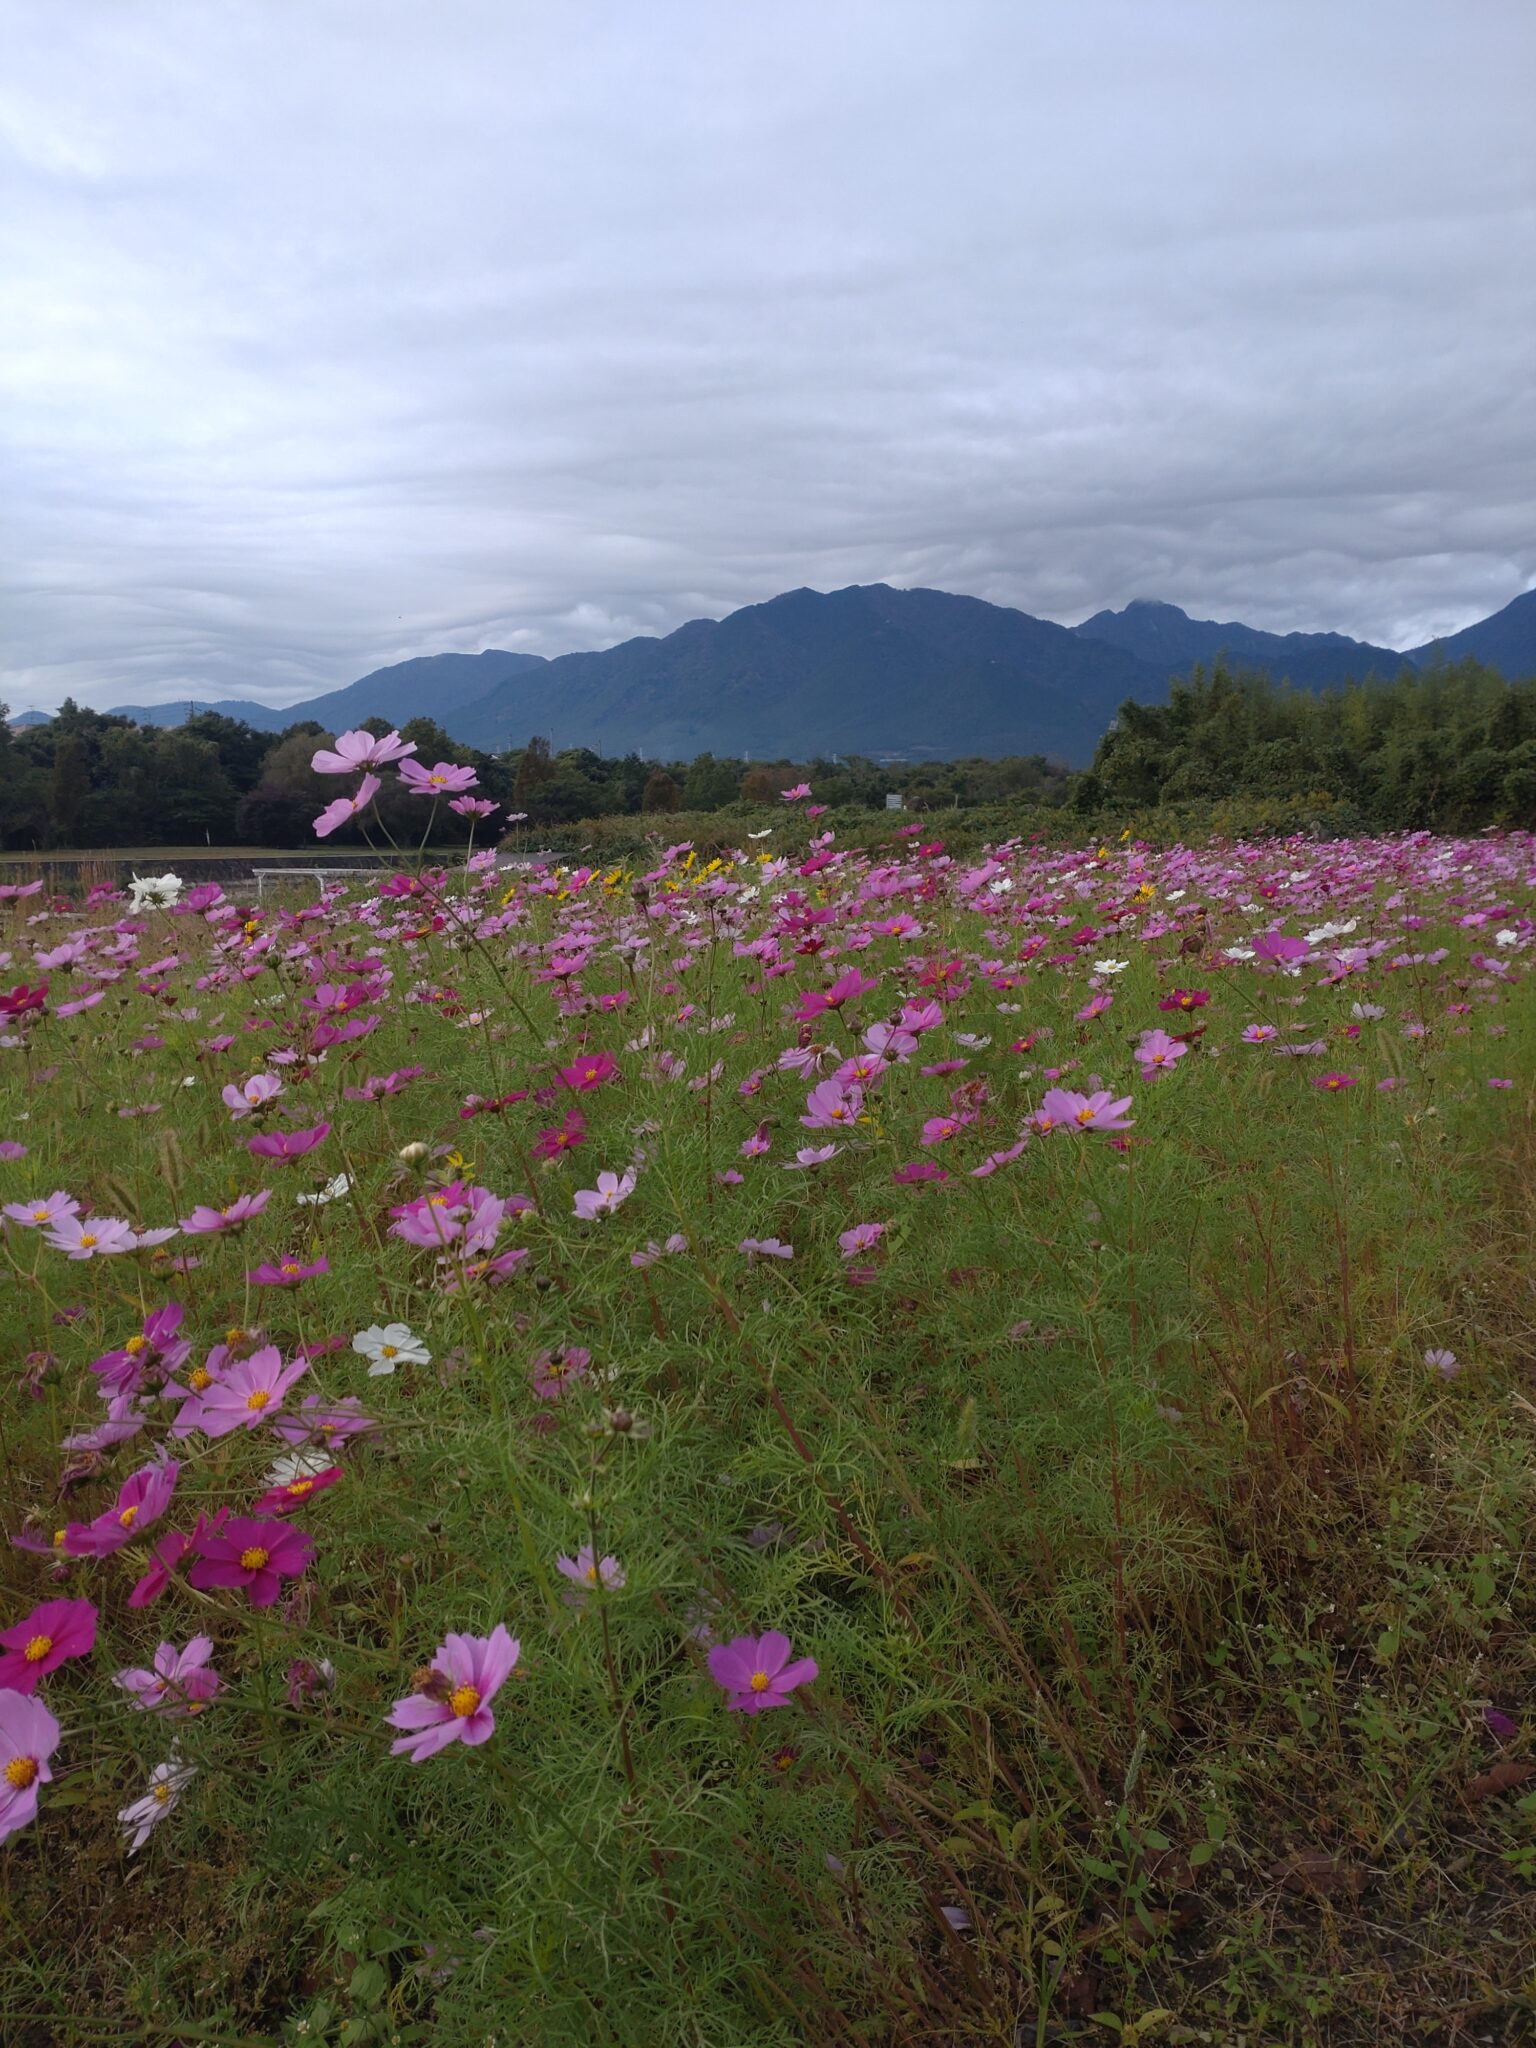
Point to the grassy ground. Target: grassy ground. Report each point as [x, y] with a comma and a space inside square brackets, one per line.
[1172, 1613]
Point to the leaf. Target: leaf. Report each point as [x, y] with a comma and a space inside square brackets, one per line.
[369, 1983]
[1314, 1870]
[1502, 1778]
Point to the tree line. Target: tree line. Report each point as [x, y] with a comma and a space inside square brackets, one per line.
[1451, 748]
[90, 779]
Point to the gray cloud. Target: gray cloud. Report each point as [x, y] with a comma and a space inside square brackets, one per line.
[334, 334]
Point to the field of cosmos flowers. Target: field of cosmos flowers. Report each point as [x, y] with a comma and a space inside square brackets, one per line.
[812, 1446]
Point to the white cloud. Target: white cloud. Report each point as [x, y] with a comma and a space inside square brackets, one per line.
[334, 335]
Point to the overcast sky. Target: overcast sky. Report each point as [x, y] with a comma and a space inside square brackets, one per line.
[336, 331]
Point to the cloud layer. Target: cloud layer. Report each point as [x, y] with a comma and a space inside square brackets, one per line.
[336, 333]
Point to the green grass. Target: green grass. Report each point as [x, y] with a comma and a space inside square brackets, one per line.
[1157, 1586]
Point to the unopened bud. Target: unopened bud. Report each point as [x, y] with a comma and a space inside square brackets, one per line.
[414, 1153]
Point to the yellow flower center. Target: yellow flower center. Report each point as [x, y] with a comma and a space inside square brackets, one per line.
[289, 1266]
[88, 1238]
[389, 1351]
[760, 1681]
[1085, 1116]
[37, 1649]
[128, 1517]
[41, 1216]
[258, 1400]
[591, 1574]
[464, 1701]
[135, 1345]
[58, 1538]
[200, 1377]
[297, 1488]
[234, 1335]
[255, 1559]
[20, 1772]
[161, 1793]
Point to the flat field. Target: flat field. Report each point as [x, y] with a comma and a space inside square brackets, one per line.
[852, 1447]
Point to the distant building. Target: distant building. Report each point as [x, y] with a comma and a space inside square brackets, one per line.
[895, 801]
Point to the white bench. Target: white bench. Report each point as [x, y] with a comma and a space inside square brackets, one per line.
[261, 876]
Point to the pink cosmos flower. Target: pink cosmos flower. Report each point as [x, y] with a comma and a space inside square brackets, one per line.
[756, 1672]
[1443, 1362]
[91, 1237]
[156, 1349]
[328, 1423]
[253, 1096]
[454, 1705]
[345, 808]
[1185, 999]
[1333, 1082]
[862, 1238]
[832, 1107]
[250, 1392]
[1259, 1034]
[140, 1817]
[938, 1130]
[56, 1629]
[554, 1372]
[765, 1248]
[208, 1222]
[286, 1145]
[793, 796]
[918, 1172]
[255, 1555]
[653, 1251]
[288, 1273]
[808, 1157]
[28, 1737]
[1101, 1111]
[1158, 1053]
[443, 779]
[587, 1570]
[56, 1209]
[144, 1499]
[612, 1189]
[180, 1681]
[473, 806]
[355, 751]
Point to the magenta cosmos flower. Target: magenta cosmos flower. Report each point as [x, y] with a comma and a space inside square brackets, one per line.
[250, 1391]
[285, 1145]
[756, 1672]
[1334, 1083]
[591, 1072]
[287, 1272]
[454, 1702]
[28, 1737]
[255, 1555]
[180, 1681]
[51, 1632]
[143, 1499]
[355, 751]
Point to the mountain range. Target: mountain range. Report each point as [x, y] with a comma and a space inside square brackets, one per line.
[895, 673]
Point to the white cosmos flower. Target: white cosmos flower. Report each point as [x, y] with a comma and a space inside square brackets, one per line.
[298, 1465]
[331, 1192]
[1110, 966]
[147, 892]
[141, 1817]
[389, 1346]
